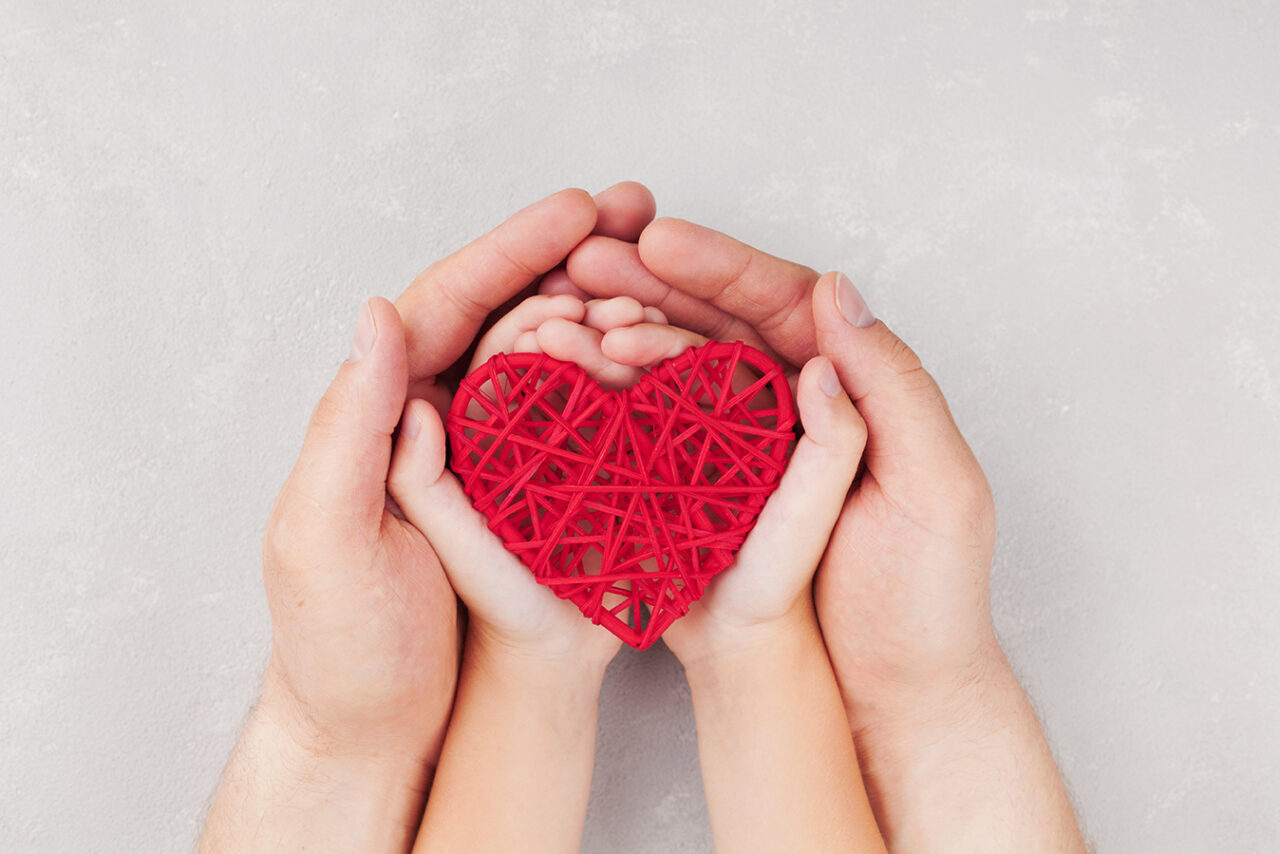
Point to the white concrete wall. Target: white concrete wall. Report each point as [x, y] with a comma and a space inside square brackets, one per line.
[1070, 208]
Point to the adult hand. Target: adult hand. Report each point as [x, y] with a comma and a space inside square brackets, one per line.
[902, 593]
[522, 732]
[769, 587]
[778, 762]
[506, 605]
[364, 640]
[903, 589]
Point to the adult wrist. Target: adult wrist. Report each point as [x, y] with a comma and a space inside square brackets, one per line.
[301, 739]
[290, 786]
[950, 696]
[980, 729]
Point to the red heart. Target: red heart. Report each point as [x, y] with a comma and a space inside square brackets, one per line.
[620, 498]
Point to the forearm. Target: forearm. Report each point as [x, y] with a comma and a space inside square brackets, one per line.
[963, 766]
[287, 788]
[778, 764]
[515, 774]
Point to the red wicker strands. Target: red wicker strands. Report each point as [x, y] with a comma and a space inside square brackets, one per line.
[624, 502]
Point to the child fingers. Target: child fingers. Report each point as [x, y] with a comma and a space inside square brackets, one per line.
[526, 342]
[606, 314]
[648, 343]
[605, 267]
[572, 342]
[432, 500]
[615, 312]
[796, 522]
[526, 317]
[830, 420]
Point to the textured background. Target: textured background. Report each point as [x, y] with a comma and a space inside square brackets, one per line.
[1069, 208]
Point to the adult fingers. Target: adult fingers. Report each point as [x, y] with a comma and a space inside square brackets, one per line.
[910, 425]
[558, 282]
[607, 268]
[768, 293]
[448, 302]
[342, 469]
[623, 210]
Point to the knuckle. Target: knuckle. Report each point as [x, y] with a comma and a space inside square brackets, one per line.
[721, 328]
[498, 241]
[973, 492]
[970, 500]
[980, 510]
[984, 501]
[911, 376]
[331, 413]
[398, 481]
[625, 301]
[279, 539]
[902, 359]
[856, 432]
[328, 410]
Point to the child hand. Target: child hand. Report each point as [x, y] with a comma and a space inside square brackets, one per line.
[506, 604]
[778, 763]
[770, 581]
[771, 578]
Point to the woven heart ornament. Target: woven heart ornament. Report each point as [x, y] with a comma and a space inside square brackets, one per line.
[626, 502]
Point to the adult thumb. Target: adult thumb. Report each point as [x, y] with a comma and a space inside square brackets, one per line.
[342, 469]
[910, 428]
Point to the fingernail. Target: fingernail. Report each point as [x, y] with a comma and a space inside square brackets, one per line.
[828, 381]
[851, 304]
[412, 425]
[366, 332]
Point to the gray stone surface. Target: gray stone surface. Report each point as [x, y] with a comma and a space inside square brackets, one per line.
[1070, 208]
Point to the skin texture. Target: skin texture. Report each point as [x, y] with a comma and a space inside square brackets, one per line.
[778, 758]
[778, 764]
[952, 752]
[523, 728]
[340, 750]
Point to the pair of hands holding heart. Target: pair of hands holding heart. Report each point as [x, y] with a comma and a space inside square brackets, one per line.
[365, 631]
[734, 407]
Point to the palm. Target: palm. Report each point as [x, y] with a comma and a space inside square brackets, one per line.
[747, 593]
[507, 604]
[421, 609]
[910, 553]
[372, 637]
[881, 595]
[771, 578]
[750, 590]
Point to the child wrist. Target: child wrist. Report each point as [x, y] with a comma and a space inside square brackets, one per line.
[724, 649]
[531, 668]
